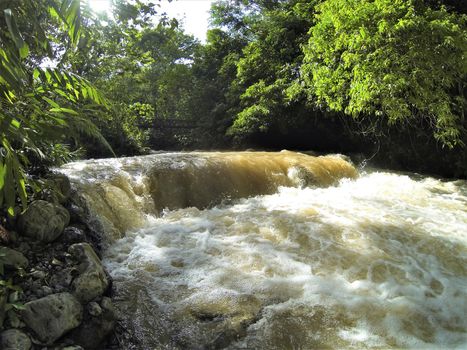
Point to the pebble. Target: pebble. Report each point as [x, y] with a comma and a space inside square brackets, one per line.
[38, 274]
[47, 290]
[56, 262]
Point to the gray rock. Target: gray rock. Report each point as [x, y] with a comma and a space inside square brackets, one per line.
[73, 235]
[38, 274]
[14, 339]
[64, 277]
[94, 309]
[73, 347]
[52, 316]
[77, 213]
[46, 290]
[13, 258]
[61, 186]
[43, 221]
[56, 262]
[92, 333]
[92, 280]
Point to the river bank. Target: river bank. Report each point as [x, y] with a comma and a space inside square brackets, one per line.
[55, 294]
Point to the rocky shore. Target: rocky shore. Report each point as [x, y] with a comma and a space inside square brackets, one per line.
[54, 291]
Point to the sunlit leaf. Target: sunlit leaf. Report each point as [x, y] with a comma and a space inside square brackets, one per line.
[63, 110]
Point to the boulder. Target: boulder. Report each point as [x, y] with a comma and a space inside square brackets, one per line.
[43, 221]
[14, 339]
[52, 316]
[95, 329]
[61, 186]
[92, 280]
[13, 258]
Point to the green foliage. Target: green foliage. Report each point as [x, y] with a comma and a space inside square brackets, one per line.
[137, 62]
[137, 125]
[394, 59]
[40, 106]
[270, 66]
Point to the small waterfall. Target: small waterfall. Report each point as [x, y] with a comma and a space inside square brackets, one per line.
[121, 192]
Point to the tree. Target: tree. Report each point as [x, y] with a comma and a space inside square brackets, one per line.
[138, 60]
[392, 59]
[41, 107]
[270, 65]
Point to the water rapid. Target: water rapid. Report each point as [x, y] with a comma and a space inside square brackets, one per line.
[280, 251]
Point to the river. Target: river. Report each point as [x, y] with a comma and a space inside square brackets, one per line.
[257, 250]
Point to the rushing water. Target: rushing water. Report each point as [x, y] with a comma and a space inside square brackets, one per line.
[374, 261]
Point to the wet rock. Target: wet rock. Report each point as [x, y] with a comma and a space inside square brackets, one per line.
[94, 309]
[77, 213]
[92, 280]
[56, 262]
[73, 235]
[52, 316]
[63, 278]
[43, 221]
[13, 258]
[61, 187]
[78, 208]
[38, 274]
[14, 339]
[94, 330]
[46, 290]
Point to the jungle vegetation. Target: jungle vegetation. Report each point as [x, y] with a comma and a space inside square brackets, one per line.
[382, 78]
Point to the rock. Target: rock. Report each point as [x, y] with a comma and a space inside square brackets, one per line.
[73, 235]
[56, 262]
[77, 213]
[94, 309]
[13, 258]
[92, 333]
[38, 274]
[64, 277]
[52, 316]
[61, 186]
[73, 347]
[92, 280]
[14, 339]
[46, 290]
[43, 221]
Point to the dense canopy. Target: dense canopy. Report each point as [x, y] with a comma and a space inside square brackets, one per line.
[272, 74]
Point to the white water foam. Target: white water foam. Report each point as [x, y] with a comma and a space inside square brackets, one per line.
[375, 262]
